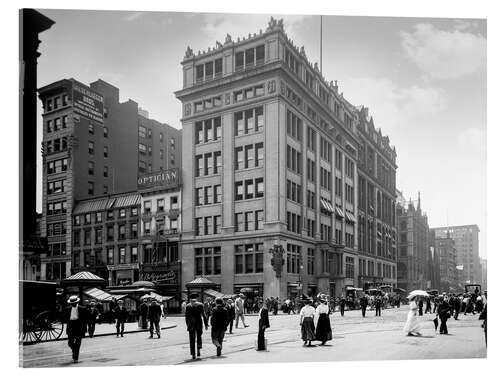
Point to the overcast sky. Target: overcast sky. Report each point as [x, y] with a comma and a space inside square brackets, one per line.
[424, 81]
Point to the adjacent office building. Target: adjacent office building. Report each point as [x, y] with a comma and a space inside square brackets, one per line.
[377, 232]
[466, 239]
[93, 146]
[270, 158]
[448, 262]
[413, 246]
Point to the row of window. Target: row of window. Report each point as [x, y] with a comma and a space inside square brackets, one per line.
[249, 121]
[110, 234]
[161, 228]
[147, 133]
[293, 125]
[207, 260]
[208, 164]
[293, 191]
[56, 145]
[56, 208]
[126, 254]
[208, 195]
[249, 156]
[209, 103]
[98, 216]
[325, 180]
[204, 226]
[57, 249]
[249, 221]
[310, 227]
[249, 58]
[293, 222]
[249, 258]
[56, 229]
[209, 70]
[293, 159]
[57, 102]
[54, 187]
[57, 166]
[248, 93]
[160, 204]
[249, 189]
[208, 130]
[57, 124]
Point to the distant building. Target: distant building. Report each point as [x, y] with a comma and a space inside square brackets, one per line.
[434, 264]
[413, 246]
[484, 276]
[448, 263]
[93, 146]
[466, 239]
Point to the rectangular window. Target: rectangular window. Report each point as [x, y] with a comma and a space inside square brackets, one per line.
[199, 165]
[239, 160]
[259, 119]
[91, 128]
[91, 168]
[105, 151]
[217, 224]
[209, 164]
[240, 225]
[240, 60]
[217, 128]
[199, 196]
[259, 218]
[90, 188]
[208, 195]
[238, 190]
[122, 255]
[249, 156]
[218, 67]
[91, 148]
[198, 226]
[239, 123]
[249, 221]
[249, 189]
[259, 154]
[160, 205]
[259, 187]
[217, 194]
[217, 162]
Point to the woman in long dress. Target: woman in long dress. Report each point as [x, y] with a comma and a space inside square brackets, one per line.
[323, 327]
[412, 327]
[307, 322]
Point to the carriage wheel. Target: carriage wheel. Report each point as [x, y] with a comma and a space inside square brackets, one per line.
[47, 327]
[28, 334]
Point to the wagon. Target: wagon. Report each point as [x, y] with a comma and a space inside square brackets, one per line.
[39, 312]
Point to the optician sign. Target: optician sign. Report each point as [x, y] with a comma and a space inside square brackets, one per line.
[164, 179]
[88, 103]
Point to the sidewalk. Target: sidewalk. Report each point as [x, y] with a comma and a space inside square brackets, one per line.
[109, 329]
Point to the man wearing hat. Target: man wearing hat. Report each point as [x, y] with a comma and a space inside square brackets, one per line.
[154, 315]
[75, 317]
[195, 317]
[93, 313]
[219, 322]
[230, 314]
[239, 310]
[121, 317]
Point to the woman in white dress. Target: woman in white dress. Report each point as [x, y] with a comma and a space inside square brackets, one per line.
[412, 328]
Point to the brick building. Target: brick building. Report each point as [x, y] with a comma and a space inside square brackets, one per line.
[93, 145]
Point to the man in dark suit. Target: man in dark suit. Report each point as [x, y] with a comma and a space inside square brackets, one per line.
[378, 306]
[263, 324]
[92, 315]
[342, 305]
[121, 314]
[75, 317]
[443, 311]
[154, 315]
[363, 302]
[231, 314]
[195, 317]
[219, 322]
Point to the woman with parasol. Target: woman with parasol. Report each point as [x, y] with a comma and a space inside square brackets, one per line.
[412, 328]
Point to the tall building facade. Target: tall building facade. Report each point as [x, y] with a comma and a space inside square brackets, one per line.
[269, 168]
[466, 239]
[91, 147]
[448, 262]
[484, 275]
[377, 232]
[413, 246]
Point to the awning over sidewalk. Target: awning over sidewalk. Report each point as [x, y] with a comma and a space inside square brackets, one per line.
[157, 297]
[101, 295]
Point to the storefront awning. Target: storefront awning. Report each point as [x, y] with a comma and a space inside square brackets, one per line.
[94, 205]
[101, 295]
[157, 297]
[326, 205]
[339, 212]
[350, 217]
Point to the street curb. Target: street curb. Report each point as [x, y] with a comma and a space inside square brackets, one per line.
[100, 335]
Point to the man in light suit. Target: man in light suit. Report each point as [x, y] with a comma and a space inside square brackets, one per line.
[195, 317]
[239, 310]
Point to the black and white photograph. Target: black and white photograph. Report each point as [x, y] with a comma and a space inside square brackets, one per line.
[215, 188]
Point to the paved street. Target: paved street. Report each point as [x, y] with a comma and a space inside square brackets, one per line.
[355, 338]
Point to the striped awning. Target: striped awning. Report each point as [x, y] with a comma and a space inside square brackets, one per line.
[110, 203]
[93, 205]
[339, 212]
[101, 295]
[350, 217]
[84, 275]
[127, 200]
[326, 205]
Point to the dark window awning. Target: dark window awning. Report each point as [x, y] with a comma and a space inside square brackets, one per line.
[339, 212]
[326, 206]
[350, 217]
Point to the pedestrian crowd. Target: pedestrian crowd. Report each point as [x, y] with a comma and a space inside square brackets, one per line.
[314, 316]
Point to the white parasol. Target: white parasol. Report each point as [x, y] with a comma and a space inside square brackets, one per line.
[417, 293]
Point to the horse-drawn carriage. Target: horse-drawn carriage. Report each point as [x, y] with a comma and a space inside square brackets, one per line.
[40, 312]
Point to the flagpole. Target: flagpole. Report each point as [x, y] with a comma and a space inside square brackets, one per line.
[321, 44]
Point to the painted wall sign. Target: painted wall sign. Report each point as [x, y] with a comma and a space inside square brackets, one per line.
[88, 103]
[163, 179]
